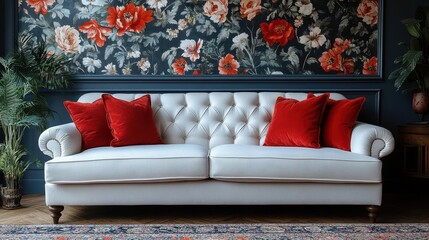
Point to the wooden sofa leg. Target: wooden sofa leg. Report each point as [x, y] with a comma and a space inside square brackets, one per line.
[372, 212]
[56, 213]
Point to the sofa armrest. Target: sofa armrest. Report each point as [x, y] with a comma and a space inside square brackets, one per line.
[371, 140]
[60, 141]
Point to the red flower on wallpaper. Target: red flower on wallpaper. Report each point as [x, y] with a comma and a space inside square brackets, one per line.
[331, 61]
[368, 11]
[228, 65]
[130, 18]
[40, 5]
[341, 45]
[370, 66]
[180, 66]
[277, 31]
[95, 32]
[347, 66]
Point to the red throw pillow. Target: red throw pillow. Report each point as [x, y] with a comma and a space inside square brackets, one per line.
[296, 123]
[339, 119]
[132, 122]
[90, 121]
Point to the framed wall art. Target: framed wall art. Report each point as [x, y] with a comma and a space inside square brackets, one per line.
[153, 39]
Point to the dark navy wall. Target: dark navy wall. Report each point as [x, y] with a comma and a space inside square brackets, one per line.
[2, 25]
[393, 109]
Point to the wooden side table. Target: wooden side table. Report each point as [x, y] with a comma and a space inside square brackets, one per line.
[414, 145]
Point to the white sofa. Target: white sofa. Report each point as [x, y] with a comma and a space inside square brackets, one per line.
[213, 155]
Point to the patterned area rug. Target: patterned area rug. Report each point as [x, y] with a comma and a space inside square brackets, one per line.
[219, 232]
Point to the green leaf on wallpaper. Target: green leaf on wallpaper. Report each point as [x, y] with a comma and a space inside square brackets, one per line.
[48, 32]
[359, 30]
[109, 50]
[331, 6]
[60, 12]
[343, 23]
[166, 54]
[171, 14]
[269, 59]
[60, 1]
[161, 19]
[223, 35]
[373, 37]
[340, 13]
[311, 60]
[120, 58]
[272, 15]
[153, 39]
[28, 20]
[41, 22]
[291, 56]
[170, 55]
[31, 27]
[135, 47]
[207, 28]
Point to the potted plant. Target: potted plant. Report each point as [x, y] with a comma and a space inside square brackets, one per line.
[25, 72]
[413, 72]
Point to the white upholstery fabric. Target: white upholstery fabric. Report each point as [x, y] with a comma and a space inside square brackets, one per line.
[61, 140]
[130, 164]
[244, 163]
[372, 140]
[209, 192]
[195, 124]
[212, 119]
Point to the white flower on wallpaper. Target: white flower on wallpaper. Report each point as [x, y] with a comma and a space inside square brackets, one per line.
[157, 4]
[133, 54]
[210, 37]
[191, 49]
[67, 39]
[143, 64]
[110, 69]
[91, 64]
[216, 10]
[100, 3]
[305, 7]
[240, 41]
[315, 39]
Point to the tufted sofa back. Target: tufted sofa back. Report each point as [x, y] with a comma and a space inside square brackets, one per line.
[212, 119]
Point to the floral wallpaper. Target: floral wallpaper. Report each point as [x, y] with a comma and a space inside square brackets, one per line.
[209, 37]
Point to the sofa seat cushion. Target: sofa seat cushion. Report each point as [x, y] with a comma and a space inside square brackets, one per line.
[248, 163]
[129, 164]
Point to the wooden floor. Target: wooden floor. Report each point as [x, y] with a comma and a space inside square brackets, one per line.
[397, 208]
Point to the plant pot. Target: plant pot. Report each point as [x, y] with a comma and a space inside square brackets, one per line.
[11, 198]
[420, 102]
